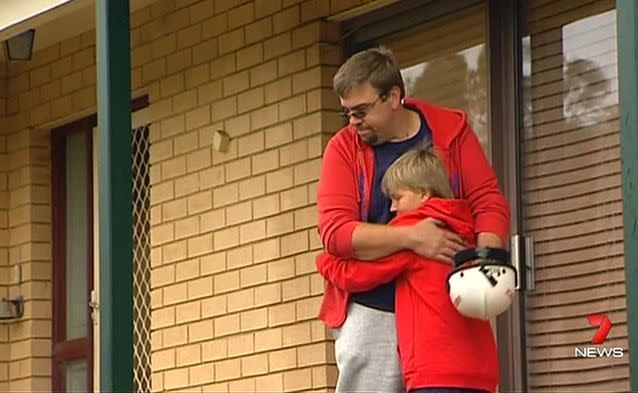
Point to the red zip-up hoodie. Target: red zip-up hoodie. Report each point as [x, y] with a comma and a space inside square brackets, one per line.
[343, 195]
[438, 346]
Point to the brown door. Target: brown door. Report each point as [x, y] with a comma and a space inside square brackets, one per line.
[570, 197]
[72, 257]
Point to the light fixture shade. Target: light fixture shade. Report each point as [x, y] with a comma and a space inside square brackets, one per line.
[20, 47]
[11, 308]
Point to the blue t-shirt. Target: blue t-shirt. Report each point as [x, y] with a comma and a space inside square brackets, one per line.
[382, 297]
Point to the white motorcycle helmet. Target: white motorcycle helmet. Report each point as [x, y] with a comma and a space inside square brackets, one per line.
[482, 283]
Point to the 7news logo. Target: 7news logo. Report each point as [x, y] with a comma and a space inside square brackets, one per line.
[604, 326]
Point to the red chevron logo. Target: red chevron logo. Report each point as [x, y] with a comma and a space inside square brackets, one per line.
[604, 326]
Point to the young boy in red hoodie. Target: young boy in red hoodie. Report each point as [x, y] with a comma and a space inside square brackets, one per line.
[441, 351]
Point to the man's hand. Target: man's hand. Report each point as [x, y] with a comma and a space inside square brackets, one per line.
[429, 239]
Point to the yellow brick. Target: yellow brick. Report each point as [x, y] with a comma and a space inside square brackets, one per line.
[265, 162]
[231, 41]
[188, 355]
[312, 192]
[317, 285]
[293, 153]
[291, 63]
[187, 227]
[162, 318]
[226, 238]
[154, 71]
[200, 331]
[212, 177]
[282, 314]
[266, 250]
[212, 220]
[294, 198]
[280, 224]
[281, 269]
[263, 73]
[279, 180]
[269, 339]
[189, 36]
[296, 288]
[305, 263]
[258, 30]
[278, 135]
[162, 276]
[226, 325]
[237, 170]
[307, 171]
[199, 202]
[297, 380]
[210, 92]
[206, 50]
[313, 9]
[201, 10]
[197, 76]
[224, 109]
[178, 61]
[241, 344]
[315, 354]
[221, 387]
[188, 312]
[254, 319]
[252, 276]
[214, 306]
[227, 369]
[173, 126]
[40, 76]
[297, 334]
[200, 245]
[266, 206]
[235, 83]
[292, 107]
[266, 7]
[225, 195]
[213, 263]
[200, 288]
[294, 243]
[187, 185]
[176, 378]
[156, 340]
[315, 240]
[306, 218]
[239, 213]
[252, 231]
[250, 100]
[240, 257]
[214, 350]
[187, 270]
[214, 26]
[161, 151]
[254, 365]
[163, 360]
[175, 293]
[278, 90]
[270, 383]
[278, 45]
[200, 374]
[307, 308]
[252, 187]
[198, 117]
[240, 300]
[226, 282]
[177, 20]
[172, 85]
[222, 66]
[241, 15]
[282, 360]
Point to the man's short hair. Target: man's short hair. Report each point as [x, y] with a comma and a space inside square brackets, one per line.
[418, 170]
[376, 65]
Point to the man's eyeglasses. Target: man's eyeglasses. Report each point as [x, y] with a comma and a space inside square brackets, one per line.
[361, 110]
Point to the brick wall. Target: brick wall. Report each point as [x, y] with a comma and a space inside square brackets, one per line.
[233, 235]
[4, 231]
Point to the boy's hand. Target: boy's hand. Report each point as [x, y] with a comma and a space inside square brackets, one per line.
[430, 240]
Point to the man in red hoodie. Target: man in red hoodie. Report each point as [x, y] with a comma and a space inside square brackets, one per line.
[383, 125]
[440, 349]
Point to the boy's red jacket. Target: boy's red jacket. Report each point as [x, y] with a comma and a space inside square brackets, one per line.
[437, 345]
[343, 195]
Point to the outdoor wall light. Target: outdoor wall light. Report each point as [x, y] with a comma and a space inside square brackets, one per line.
[11, 308]
[20, 47]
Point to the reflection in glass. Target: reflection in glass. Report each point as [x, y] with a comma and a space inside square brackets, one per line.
[75, 373]
[76, 236]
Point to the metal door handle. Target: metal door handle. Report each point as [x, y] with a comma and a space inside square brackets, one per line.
[522, 251]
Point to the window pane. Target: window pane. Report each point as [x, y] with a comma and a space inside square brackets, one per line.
[75, 373]
[445, 64]
[76, 236]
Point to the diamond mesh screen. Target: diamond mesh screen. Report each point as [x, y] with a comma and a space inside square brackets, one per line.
[141, 261]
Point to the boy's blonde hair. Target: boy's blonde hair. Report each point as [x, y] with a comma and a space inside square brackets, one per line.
[418, 170]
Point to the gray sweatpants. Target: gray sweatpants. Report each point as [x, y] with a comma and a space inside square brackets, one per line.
[366, 352]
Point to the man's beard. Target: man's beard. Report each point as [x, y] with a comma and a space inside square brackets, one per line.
[370, 137]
